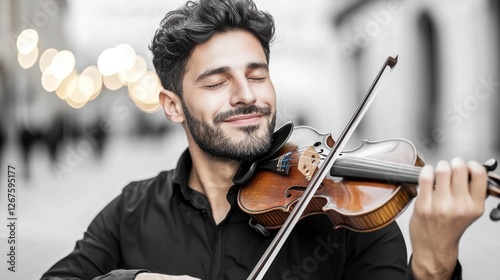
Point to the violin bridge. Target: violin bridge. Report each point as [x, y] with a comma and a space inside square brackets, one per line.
[308, 162]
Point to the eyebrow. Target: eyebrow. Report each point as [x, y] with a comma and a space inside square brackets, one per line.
[257, 65]
[223, 69]
[211, 72]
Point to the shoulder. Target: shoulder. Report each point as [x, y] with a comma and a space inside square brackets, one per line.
[139, 192]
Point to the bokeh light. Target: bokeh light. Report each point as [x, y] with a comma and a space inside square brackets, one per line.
[49, 81]
[116, 67]
[145, 92]
[112, 82]
[27, 41]
[26, 61]
[93, 73]
[63, 64]
[67, 87]
[134, 73]
[46, 58]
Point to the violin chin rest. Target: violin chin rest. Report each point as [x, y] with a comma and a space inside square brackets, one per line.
[248, 167]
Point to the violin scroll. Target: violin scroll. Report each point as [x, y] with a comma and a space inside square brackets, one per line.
[493, 186]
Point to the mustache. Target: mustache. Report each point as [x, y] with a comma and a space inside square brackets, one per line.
[252, 109]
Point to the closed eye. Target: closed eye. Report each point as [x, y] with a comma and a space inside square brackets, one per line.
[214, 86]
[259, 79]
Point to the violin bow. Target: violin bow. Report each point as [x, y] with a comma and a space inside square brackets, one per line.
[267, 258]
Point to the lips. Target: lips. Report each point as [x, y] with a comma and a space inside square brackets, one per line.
[243, 118]
[243, 114]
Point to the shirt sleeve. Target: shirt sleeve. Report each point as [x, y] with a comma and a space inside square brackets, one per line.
[381, 255]
[120, 274]
[377, 255]
[97, 253]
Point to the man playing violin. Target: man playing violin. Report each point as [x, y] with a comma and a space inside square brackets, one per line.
[212, 58]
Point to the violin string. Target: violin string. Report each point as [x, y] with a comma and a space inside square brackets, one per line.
[493, 183]
[387, 165]
[410, 175]
[364, 164]
[360, 164]
[367, 163]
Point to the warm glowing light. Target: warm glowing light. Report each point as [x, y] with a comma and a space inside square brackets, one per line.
[93, 73]
[106, 62]
[94, 96]
[27, 41]
[26, 61]
[46, 58]
[83, 91]
[145, 92]
[116, 67]
[49, 81]
[63, 64]
[74, 104]
[67, 87]
[118, 59]
[112, 82]
[126, 57]
[136, 72]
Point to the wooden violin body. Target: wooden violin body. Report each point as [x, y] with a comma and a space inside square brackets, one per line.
[368, 187]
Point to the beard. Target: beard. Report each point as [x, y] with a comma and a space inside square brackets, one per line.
[212, 139]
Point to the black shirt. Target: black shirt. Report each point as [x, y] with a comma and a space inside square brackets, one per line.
[162, 225]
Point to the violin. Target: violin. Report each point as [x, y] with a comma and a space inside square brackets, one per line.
[366, 189]
[306, 172]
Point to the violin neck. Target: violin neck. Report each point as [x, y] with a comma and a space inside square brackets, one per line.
[371, 169]
[493, 184]
[392, 173]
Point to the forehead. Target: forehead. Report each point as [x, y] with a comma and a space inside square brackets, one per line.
[232, 49]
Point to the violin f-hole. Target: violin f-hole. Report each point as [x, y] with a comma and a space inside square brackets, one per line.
[300, 189]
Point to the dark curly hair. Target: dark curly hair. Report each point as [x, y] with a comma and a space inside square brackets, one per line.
[195, 23]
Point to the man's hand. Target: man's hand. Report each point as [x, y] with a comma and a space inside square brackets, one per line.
[444, 209]
[156, 276]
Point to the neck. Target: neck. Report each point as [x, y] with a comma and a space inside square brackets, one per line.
[213, 178]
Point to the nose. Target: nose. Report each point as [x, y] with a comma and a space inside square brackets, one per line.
[242, 93]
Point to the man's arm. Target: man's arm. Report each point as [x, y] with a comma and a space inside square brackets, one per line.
[97, 253]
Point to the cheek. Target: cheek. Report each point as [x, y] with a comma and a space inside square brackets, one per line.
[205, 108]
[267, 94]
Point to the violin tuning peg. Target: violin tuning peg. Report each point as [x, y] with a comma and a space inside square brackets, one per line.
[490, 164]
[495, 213]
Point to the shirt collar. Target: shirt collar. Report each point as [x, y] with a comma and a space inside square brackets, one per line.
[180, 180]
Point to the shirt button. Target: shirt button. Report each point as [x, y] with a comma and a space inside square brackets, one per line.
[204, 213]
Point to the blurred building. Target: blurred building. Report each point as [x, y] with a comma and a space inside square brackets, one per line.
[444, 92]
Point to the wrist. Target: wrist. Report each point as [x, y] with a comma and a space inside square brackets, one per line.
[432, 265]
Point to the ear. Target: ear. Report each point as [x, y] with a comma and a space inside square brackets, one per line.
[172, 106]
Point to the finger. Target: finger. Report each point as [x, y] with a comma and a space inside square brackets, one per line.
[459, 178]
[478, 183]
[426, 185]
[443, 179]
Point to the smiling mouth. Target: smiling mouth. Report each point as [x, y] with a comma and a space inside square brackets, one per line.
[243, 115]
[243, 118]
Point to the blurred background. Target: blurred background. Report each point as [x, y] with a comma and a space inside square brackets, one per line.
[72, 155]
